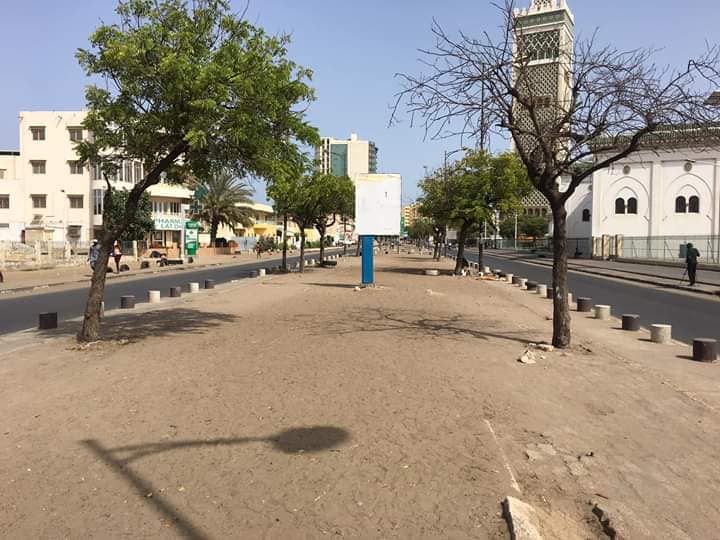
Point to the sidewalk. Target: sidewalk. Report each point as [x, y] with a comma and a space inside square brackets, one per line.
[298, 406]
[663, 276]
[23, 280]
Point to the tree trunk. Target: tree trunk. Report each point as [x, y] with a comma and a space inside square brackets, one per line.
[302, 250]
[284, 256]
[561, 307]
[481, 252]
[214, 224]
[91, 322]
[462, 233]
[321, 230]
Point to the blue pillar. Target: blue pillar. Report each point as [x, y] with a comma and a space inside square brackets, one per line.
[368, 247]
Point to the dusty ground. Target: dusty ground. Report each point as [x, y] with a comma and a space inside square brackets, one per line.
[297, 407]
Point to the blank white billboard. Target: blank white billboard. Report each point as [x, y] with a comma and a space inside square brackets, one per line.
[378, 204]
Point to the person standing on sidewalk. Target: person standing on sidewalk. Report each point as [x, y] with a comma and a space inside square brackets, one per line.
[93, 254]
[117, 255]
[691, 261]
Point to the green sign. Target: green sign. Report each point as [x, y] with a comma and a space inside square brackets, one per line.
[192, 230]
[403, 232]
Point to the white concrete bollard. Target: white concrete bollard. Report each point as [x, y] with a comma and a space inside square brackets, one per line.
[542, 290]
[509, 277]
[486, 270]
[194, 287]
[570, 298]
[523, 283]
[661, 333]
[432, 273]
[602, 312]
[154, 297]
[262, 272]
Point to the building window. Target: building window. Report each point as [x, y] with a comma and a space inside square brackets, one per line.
[680, 205]
[76, 201]
[76, 167]
[586, 215]
[694, 205]
[96, 171]
[4, 202]
[76, 134]
[128, 171]
[138, 172]
[98, 196]
[2, 174]
[39, 201]
[38, 167]
[632, 205]
[157, 207]
[38, 133]
[619, 205]
[174, 207]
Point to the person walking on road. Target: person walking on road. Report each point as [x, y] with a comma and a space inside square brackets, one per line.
[691, 260]
[117, 255]
[93, 254]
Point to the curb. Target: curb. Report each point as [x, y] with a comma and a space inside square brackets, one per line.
[521, 519]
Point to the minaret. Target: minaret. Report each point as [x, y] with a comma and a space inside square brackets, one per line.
[542, 53]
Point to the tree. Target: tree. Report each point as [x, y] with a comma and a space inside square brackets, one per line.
[336, 196]
[317, 196]
[420, 230]
[185, 89]
[435, 206]
[533, 227]
[614, 104]
[142, 224]
[473, 190]
[219, 196]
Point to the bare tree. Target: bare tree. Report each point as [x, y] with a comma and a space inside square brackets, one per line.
[612, 103]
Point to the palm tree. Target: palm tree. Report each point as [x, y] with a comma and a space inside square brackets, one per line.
[220, 196]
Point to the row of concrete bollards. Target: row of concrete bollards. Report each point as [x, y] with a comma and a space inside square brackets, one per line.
[49, 320]
[704, 349]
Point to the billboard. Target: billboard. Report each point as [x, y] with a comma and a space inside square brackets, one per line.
[378, 199]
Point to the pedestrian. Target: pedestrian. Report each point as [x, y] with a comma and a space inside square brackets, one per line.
[117, 255]
[93, 254]
[258, 249]
[691, 258]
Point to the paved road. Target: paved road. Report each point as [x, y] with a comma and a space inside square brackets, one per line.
[692, 316]
[20, 312]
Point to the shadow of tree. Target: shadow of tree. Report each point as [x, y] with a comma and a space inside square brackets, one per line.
[290, 441]
[413, 323]
[333, 285]
[137, 326]
[411, 271]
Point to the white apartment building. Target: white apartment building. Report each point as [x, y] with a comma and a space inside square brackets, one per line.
[346, 157]
[45, 195]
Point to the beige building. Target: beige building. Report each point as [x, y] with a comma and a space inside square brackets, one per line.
[410, 213]
[265, 224]
[45, 195]
[346, 157]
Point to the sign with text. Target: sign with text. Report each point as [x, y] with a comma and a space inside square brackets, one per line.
[378, 199]
[168, 223]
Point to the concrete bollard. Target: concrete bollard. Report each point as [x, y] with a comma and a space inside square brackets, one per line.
[432, 273]
[127, 302]
[209, 283]
[661, 333]
[253, 273]
[515, 280]
[531, 286]
[602, 312]
[262, 272]
[194, 287]
[705, 350]
[486, 270]
[47, 321]
[570, 298]
[296, 266]
[550, 294]
[584, 305]
[542, 290]
[175, 292]
[631, 322]
[153, 297]
[522, 282]
[509, 278]
[102, 309]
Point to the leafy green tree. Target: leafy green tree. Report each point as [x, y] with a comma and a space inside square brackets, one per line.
[336, 196]
[142, 224]
[282, 189]
[421, 229]
[185, 88]
[507, 227]
[219, 196]
[435, 206]
[533, 227]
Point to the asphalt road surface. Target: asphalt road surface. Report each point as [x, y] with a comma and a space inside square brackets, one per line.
[20, 312]
[691, 315]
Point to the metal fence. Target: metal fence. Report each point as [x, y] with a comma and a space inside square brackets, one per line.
[669, 248]
[577, 247]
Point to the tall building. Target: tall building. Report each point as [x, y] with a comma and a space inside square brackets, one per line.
[346, 157]
[410, 213]
[45, 195]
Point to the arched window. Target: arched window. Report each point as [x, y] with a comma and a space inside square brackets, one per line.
[619, 205]
[694, 205]
[632, 205]
[586, 215]
[680, 205]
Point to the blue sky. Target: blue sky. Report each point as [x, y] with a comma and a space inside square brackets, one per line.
[354, 48]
